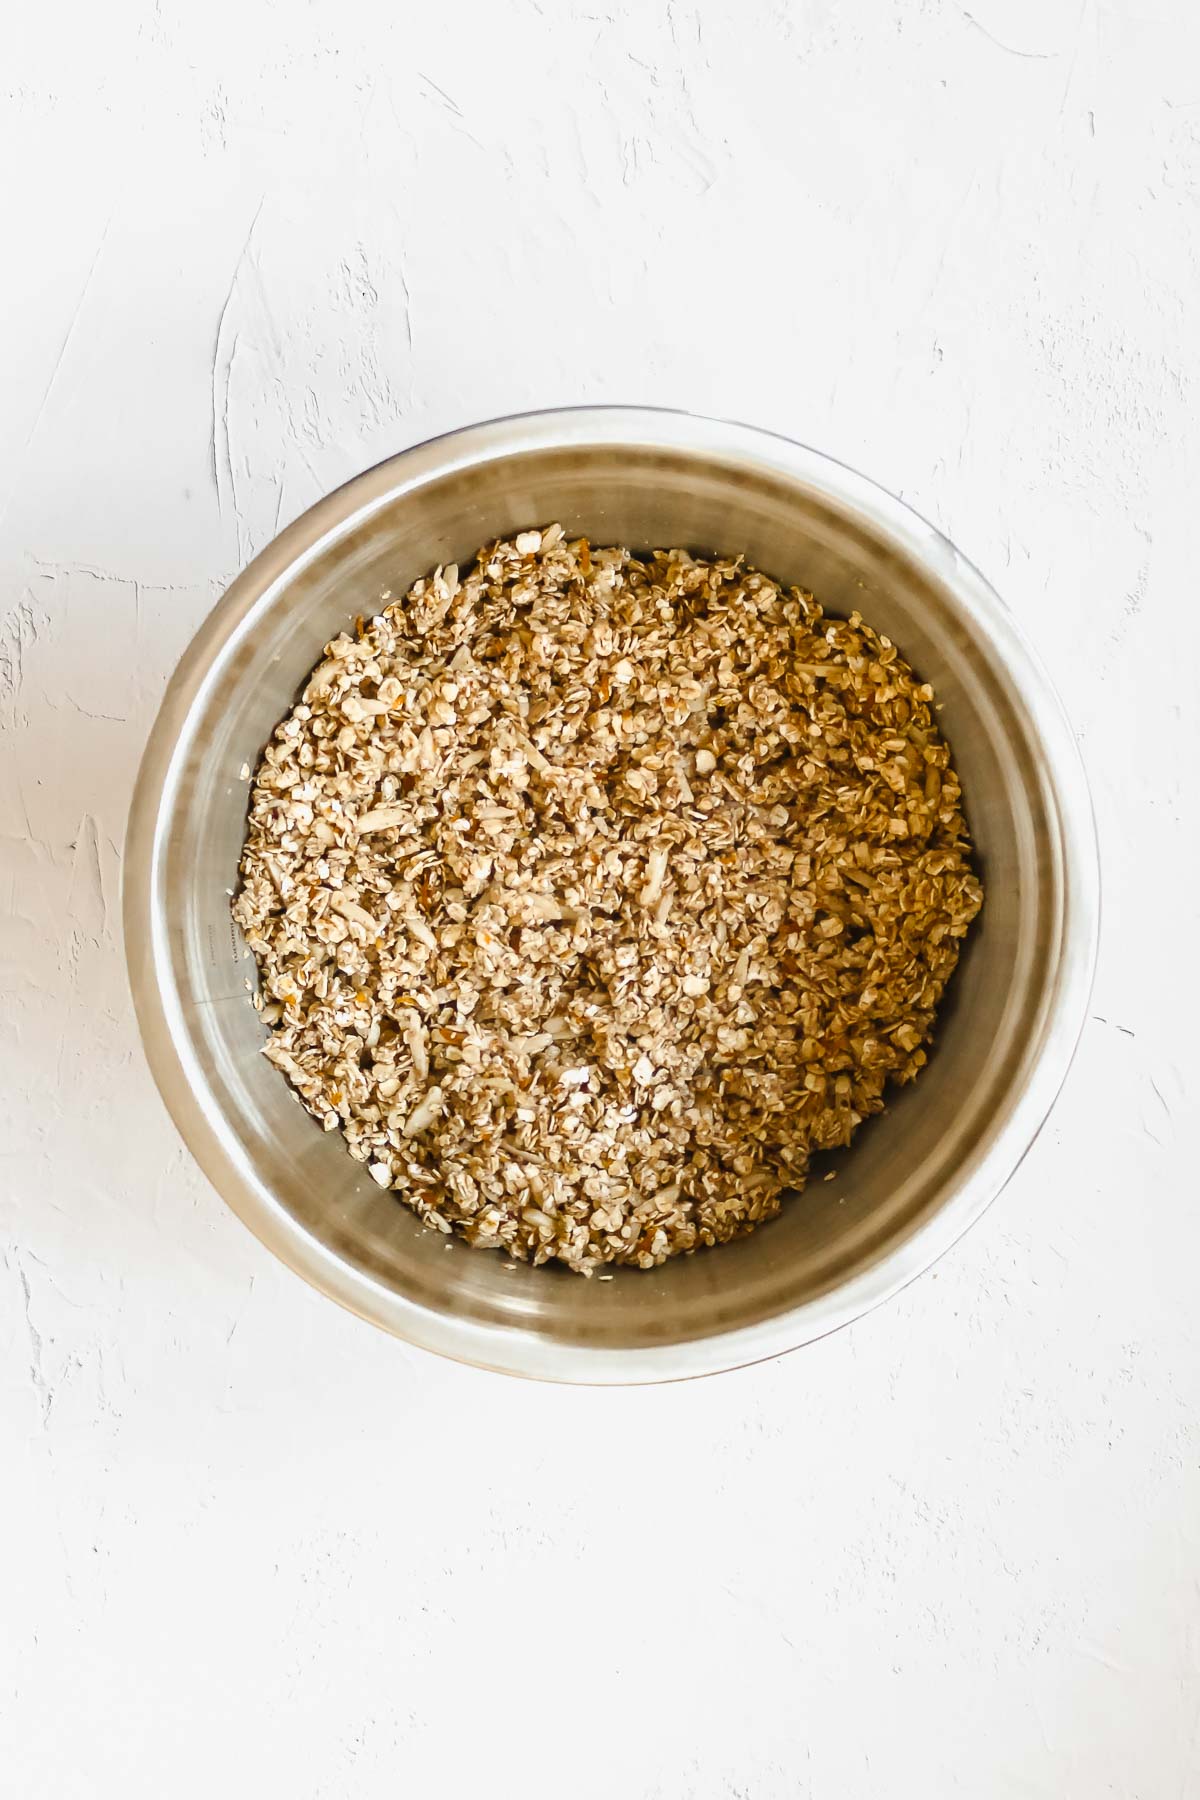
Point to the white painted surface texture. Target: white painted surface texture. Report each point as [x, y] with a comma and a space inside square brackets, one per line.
[250, 1546]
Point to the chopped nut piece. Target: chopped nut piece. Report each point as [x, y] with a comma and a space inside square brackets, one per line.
[656, 869]
[423, 1115]
[382, 818]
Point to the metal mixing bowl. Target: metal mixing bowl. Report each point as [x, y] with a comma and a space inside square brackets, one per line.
[915, 1177]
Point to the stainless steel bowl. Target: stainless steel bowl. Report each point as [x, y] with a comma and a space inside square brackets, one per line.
[914, 1179]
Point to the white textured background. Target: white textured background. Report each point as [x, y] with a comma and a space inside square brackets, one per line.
[248, 1545]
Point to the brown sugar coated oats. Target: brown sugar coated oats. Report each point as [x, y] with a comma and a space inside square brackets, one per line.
[591, 892]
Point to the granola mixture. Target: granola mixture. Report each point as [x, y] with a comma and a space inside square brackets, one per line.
[591, 892]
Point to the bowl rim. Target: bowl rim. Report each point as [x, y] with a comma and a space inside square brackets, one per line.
[508, 1349]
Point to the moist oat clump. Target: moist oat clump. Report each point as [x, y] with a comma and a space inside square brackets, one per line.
[592, 892]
